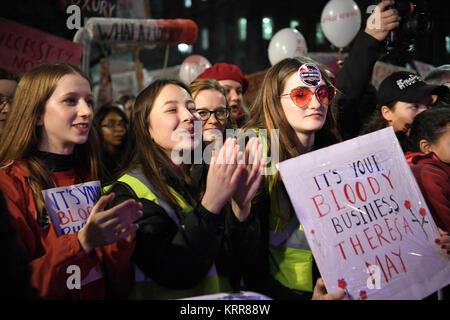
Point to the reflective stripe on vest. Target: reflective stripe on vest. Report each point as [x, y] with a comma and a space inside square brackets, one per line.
[144, 287]
[290, 257]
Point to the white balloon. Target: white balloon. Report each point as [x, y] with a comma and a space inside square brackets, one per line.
[340, 21]
[192, 66]
[286, 43]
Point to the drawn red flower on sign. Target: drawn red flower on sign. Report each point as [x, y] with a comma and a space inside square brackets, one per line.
[342, 284]
[407, 204]
[422, 212]
[312, 231]
[363, 295]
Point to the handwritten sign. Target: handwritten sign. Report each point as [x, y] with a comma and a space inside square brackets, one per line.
[22, 48]
[138, 31]
[69, 207]
[366, 220]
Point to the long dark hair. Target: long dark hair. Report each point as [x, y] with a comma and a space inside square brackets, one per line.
[376, 120]
[121, 156]
[148, 154]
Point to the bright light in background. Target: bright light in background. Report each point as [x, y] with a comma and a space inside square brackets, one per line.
[320, 39]
[447, 44]
[184, 48]
[205, 39]
[267, 28]
[242, 25]
[293, 24]
[187, 3]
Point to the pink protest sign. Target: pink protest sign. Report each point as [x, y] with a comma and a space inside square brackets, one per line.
[365, 219]
[22, 48]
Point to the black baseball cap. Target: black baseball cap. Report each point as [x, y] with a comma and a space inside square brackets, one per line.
[405, 86]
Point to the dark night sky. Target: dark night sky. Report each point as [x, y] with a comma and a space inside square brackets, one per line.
[50, 16]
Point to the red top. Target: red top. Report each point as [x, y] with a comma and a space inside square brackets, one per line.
[433, 177]
[52, 255]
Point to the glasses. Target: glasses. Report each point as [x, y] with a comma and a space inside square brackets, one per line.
[112, 125]
[4, 100]
[302, 96]
[220, 114]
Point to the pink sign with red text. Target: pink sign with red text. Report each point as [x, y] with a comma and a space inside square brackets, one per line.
[22, 48]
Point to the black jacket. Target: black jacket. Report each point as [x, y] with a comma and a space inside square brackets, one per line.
[179, 257]
[356, 100]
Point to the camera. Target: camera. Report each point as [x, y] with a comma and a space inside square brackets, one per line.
[415, 21]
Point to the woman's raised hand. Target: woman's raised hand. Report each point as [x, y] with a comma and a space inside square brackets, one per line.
[223, 176]
[104, 227]
[250, 179]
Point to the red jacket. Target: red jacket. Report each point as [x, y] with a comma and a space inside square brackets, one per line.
[433, 177]
[51, 255]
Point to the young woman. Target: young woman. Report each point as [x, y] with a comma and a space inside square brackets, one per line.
[112, 124]
[401, 97]
[184, 231]
[48, 144]
[294, 99]
[429, 158]
[212, 107]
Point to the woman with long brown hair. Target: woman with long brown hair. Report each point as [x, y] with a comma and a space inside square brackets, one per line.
[292, 107]
[50, 161]
[181, 235]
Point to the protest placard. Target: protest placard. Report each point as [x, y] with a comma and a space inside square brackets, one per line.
[22, 48]
[366, 221]
[69, 207]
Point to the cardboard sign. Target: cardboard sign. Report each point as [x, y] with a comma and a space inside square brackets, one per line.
[69, 207]
[365, 219]
[22, 48]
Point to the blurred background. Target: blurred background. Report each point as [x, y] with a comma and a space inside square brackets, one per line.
[233, 31]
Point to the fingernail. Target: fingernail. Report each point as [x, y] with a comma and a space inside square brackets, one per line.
[443, 246]
[437, 240]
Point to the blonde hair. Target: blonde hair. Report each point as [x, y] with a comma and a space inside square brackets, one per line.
[21, 136]
[210, 84]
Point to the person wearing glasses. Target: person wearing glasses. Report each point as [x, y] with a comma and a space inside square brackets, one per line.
[186, 233]
[8, 84]
[212, 106]
[112, 125]
[295, 99]
[235, 83]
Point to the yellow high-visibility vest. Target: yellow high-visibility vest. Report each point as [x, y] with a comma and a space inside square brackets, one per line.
[145, 287]
[290, 258]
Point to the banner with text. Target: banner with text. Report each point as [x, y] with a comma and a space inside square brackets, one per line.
[366, 220]
[69, 207]
[22, 48]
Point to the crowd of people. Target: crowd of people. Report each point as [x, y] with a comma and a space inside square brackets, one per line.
[166, 229]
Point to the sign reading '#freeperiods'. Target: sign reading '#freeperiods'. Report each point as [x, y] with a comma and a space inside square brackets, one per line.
[366, 220]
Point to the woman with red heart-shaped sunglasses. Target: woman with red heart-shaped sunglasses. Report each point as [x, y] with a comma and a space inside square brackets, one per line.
[295, 99]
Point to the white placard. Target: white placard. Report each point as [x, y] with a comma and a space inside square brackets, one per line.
[366, 220]
[69, 207]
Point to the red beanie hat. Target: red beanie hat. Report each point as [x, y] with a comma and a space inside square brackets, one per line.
[225, 71]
